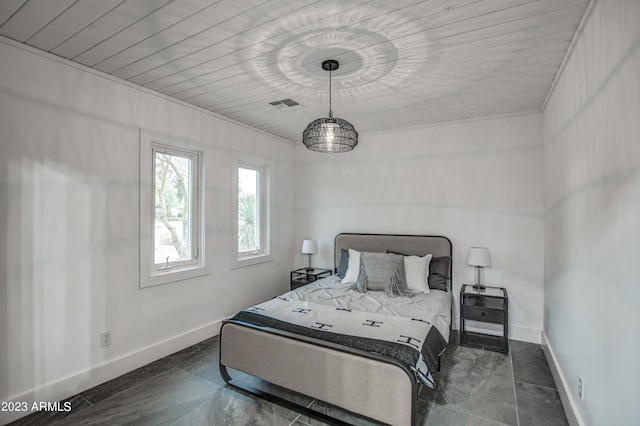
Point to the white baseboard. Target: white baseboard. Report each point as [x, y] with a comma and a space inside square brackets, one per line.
[79, 382]
[525, 334]
[568, 402]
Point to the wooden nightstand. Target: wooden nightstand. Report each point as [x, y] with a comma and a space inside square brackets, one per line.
[489, 305]
[304, 276]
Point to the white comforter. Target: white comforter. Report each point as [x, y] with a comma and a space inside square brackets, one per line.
[435, 306]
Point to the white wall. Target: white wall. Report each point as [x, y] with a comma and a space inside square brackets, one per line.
[69, 227]
[592, 217]
[476, 182]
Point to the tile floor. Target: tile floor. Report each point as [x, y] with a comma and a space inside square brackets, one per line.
[475, 387]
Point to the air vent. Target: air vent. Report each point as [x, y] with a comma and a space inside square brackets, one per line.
[285, 104]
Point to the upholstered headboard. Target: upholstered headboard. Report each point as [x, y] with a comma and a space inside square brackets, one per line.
[417, 245]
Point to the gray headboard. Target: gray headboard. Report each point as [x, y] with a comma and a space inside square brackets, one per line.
[417, 245]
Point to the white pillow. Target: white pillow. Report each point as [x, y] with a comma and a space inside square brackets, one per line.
[416, 269]
[353, 268]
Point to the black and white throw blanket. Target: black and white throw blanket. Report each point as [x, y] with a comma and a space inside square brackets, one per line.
[413, 341]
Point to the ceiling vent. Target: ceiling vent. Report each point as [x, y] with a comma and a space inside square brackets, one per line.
[285, 105]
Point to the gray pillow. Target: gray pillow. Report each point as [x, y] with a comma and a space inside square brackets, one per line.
[344, 263]
[382, 272]
[439, 273]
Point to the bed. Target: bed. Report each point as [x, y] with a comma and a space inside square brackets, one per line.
[366, 375]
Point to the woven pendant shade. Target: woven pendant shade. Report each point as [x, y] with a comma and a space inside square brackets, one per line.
[330, 134]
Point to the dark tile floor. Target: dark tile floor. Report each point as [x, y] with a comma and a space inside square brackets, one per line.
[475, 387]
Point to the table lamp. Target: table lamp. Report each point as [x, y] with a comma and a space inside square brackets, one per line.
[309, 247]
[479, 257]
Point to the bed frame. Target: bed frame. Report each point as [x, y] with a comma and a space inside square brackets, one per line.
[358, 381]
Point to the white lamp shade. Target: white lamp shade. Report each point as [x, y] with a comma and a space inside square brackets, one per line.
[309, 247]
[479, 256]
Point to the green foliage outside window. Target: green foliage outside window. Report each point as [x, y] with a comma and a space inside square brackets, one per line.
[172, 204]
[247, 226]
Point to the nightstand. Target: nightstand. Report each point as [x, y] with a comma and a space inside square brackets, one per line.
[304, 276]
[489, 305]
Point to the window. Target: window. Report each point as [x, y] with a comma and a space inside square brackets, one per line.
[175, 201]
[251, 212]
[171, 213]
[248, 210]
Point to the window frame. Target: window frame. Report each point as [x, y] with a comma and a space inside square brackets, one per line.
[152, 274]
[263, 189]
[194, 207]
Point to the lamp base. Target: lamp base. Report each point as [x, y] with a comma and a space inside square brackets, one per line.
[309, 269]
[478, 287]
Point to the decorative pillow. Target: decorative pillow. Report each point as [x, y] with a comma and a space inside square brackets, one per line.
[416, 269]
[439, 273]
[382, 272]
[344, 263]
[353, 268]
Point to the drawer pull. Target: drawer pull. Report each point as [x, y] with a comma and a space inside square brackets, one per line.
[483, 314]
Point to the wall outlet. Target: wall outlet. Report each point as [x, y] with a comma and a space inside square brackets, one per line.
[580, 388]
[105, 338]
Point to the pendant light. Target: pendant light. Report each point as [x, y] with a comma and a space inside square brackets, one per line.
[330, 134]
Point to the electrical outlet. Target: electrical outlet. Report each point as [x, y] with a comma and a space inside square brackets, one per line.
[581, 388]
[105, 338]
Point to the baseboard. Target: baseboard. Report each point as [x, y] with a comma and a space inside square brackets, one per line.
[525, 334]
[568, 402]
[79, 382]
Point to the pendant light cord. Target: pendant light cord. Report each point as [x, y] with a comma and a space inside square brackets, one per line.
[330, 110]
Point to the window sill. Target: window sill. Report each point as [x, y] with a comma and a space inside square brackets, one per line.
[170, 276]
[251, 260]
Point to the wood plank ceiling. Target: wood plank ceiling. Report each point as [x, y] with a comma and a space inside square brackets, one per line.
[403, 63]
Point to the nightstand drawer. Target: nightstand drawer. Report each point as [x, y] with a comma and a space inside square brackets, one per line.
[483, 314]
